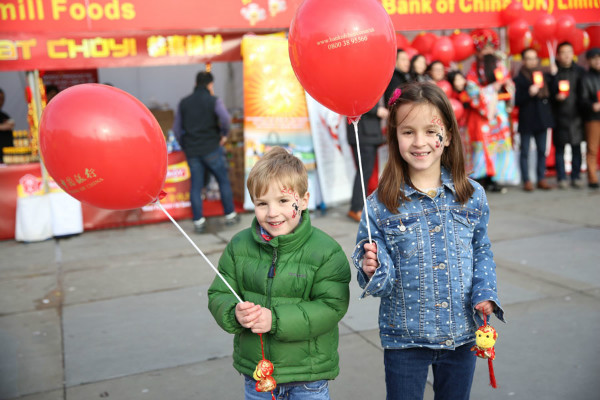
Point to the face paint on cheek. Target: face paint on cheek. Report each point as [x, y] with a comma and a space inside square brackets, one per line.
[295, 211]
[440, 140]
[440, 135]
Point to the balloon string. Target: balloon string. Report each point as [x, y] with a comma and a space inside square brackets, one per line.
[362, 180]
[199, 251]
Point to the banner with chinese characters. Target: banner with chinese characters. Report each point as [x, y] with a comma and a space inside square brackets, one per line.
[51, 51]
[275, 112]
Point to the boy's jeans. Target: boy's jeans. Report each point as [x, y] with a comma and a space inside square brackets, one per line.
[406, 372]
[317, 390]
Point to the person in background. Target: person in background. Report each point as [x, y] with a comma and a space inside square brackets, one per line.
[568, 127]
[535, 116]
[400, 76]
[6, 128]
[370, 137]
[294, 280]
[428, 224]
[418, 66]
[489, 88]
[201, 126]
[590, 100]
[51, 91]
[458, 82]
[436, 71]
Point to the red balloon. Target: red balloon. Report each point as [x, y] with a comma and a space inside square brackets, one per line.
[593, 32]
[457, 107]
[103, 147]
[544, 28]
[343, 53]
[580, 41]
[401, 41]
[519, 44]
[517, 29]
[512, 12]
[565, 28]
[445, 86]
[424, 42]
[443, 50]
[463, 45]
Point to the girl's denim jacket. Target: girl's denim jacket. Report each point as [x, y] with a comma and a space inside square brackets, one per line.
[435, 266]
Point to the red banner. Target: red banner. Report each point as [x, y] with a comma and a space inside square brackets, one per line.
[45, 16]
[49, 51]
[25, 180]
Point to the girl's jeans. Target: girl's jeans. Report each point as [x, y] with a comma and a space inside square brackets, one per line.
[317, 390]
[406, 372]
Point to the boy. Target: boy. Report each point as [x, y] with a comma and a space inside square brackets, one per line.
[294, 279]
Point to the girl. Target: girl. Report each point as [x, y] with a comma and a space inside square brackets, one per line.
[418, 66]
[430, 259]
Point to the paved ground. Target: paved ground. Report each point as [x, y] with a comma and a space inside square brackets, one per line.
[122, 313]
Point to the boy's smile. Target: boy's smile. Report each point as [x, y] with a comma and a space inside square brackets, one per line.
[278, 210]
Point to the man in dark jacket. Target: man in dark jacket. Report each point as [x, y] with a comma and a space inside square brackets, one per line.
[201, 126]
[532, 96]
[370, 138]
[400, 76]
[568, 127]
[590, 101]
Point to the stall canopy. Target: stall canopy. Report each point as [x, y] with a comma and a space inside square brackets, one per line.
[75, 34]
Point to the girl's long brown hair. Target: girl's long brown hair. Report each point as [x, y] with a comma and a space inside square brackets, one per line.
[395, 174]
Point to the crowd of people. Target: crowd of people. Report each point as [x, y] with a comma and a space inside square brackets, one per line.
[503, 111]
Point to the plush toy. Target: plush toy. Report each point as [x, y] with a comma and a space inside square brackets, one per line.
[262, 374]
[485, 338]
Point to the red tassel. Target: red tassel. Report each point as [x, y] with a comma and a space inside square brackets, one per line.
[492, 376]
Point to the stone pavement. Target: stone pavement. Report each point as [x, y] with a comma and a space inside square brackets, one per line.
[122, 313]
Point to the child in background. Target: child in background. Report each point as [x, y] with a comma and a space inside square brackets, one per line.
[294, 279]
[430, 260]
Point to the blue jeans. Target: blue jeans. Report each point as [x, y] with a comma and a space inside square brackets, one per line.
[561, 174]
[317, 390]
[406, 373]
[540, 144]
[216, 163]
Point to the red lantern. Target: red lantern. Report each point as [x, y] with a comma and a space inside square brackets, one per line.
[343, 53]
[544, 29]
[541, 48]
[457, 107]
[401, 41]
[565, 28]
[103, 147]
[445, 86]
[593, 32]
[443, 50]
[517, 45]
[580, 41]
[512, 12]
[463, 45]
[516, 30]
[424, 42]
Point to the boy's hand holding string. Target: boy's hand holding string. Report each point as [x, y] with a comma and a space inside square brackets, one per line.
[254, 317]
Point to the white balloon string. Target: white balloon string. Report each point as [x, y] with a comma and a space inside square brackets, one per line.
[199, 251]
[362, 180]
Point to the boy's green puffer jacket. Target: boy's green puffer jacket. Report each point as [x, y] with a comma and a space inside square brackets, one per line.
[303, 279]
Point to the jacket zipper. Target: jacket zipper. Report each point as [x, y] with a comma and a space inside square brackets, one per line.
[270, 277]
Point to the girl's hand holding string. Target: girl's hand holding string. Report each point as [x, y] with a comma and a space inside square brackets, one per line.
[486, 307]
[370, 263]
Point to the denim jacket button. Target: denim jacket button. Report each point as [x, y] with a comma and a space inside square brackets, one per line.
[437, 228]
[448, 342]
[442, 266]
[444, 304]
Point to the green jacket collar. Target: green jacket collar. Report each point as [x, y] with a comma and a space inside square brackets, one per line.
[289, 242]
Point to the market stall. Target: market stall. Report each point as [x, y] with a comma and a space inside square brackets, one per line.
[69, 34]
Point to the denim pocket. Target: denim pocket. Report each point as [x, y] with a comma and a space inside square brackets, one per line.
[463, 228]
[316, 386]
[403, 235]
